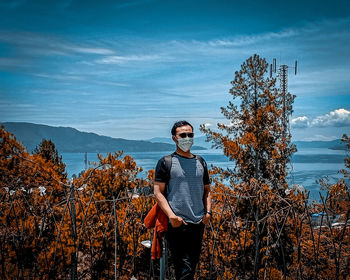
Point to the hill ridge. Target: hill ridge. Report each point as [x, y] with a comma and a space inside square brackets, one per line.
[69, 139]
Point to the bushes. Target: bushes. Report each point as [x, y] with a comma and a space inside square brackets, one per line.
[57, 230]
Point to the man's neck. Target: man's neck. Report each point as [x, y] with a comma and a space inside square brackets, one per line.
[184, 154]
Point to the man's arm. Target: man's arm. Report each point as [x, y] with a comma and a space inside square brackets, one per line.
[159, 189]
[207, 204]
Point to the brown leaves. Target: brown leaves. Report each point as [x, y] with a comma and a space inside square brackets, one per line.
[257, 231]
[47, 223]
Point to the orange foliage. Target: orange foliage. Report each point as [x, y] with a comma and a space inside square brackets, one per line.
[55, 230]
[52, 229]
[263, 229]
[30, 189]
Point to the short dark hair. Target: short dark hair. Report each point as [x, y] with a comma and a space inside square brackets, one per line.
[179, 124]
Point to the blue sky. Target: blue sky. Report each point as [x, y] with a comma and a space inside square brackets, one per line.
[131, 68]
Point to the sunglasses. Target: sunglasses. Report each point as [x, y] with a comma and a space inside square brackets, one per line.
[184, 135]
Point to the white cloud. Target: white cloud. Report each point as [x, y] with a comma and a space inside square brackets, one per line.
[199, 72]
[336, 118]
[300, 122]
[339, 118]
[112, 83]
[41, 44]
[253, 39]
[311, 27]
[59, 77]
[87, 50]
[125, 59]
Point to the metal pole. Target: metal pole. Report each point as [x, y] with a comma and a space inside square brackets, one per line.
[162, 263]
[115, 240]
[74, 264]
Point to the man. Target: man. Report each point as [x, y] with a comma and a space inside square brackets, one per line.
[183, 193]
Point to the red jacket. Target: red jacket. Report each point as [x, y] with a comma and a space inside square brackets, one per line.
[158, 220]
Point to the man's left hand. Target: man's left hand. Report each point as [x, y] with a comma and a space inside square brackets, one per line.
[206, 219]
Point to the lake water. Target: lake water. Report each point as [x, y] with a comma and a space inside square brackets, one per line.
[308, 165]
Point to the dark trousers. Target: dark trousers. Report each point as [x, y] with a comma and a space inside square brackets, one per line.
[185, 243]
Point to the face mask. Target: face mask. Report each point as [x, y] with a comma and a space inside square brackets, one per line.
[185, 144]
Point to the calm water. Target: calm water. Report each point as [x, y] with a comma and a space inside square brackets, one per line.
[308, 165]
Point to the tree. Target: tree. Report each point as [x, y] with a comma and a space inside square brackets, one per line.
[257, 140]
[55, 230]
[47, 150]
[30, 189]
[109, 218]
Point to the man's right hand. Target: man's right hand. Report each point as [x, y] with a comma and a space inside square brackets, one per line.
[176, 221]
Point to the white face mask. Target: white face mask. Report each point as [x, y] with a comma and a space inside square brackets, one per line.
[185, 144]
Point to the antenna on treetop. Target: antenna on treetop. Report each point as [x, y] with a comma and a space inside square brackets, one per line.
[273, 67]
[270, 70]
[282, 75]
[287, 98]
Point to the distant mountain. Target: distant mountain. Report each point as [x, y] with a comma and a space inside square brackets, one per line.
[71, 140]
[161, 140]
[334, 144]
[198, 141]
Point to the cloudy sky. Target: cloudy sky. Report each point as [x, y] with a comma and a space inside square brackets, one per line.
[131, 68]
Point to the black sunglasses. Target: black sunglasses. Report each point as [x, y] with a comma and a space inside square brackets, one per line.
[184, 135]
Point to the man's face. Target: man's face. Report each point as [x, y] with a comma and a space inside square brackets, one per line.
[181, 129]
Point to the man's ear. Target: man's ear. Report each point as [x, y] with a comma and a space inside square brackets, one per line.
[174, 139]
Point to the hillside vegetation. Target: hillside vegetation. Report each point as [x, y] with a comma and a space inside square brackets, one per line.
[91, 227]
